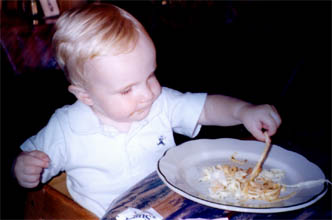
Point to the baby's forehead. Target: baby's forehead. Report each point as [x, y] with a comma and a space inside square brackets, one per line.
[142, 57]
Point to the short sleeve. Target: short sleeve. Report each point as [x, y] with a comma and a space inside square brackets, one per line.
[49, 140]
[184, 110]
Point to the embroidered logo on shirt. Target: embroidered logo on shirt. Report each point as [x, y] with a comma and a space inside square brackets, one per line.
[161, 140]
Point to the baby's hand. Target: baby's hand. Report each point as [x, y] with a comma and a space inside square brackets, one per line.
[29, 166]
[256, 118]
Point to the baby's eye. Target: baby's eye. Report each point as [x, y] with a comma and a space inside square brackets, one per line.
[125, 92]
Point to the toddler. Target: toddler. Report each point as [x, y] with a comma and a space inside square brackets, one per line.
[123, 120]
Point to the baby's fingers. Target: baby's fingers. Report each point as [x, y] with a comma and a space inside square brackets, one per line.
[28, 175]
[271, 129]
[272, 123]
[29, 185]
[32, 170]
[258, 128]
[257, 132]
[39, 155]
[36, 159]
[29, 181]
[275, 115]
[31, 178]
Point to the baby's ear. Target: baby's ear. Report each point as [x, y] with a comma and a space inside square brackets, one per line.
[81, 94]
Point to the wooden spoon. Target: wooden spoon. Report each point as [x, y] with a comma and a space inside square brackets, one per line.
[259, 164]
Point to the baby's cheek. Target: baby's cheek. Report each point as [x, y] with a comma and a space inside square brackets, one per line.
[120, 111]
[156, 89]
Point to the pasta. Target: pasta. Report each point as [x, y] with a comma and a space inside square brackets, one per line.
[231, 182]
[242, 184]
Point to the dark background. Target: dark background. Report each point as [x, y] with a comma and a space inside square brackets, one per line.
[264, 52]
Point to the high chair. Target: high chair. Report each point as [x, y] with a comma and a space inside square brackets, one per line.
[53, 201]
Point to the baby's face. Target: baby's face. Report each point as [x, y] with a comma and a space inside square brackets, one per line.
[123, 87]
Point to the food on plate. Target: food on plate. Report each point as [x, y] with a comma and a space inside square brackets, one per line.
[231, 182]
[241, 162]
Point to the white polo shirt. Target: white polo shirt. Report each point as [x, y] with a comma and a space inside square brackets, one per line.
[101, 162]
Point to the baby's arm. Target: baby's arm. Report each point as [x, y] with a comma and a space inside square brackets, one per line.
[29, 166]
[226, 111]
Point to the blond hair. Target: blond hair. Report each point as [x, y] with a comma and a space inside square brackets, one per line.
[90, 31]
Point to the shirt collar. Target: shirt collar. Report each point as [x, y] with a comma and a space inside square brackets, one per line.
[83, 120]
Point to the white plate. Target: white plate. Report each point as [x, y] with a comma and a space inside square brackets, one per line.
[181, 168]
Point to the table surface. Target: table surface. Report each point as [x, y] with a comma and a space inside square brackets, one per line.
[152, 192]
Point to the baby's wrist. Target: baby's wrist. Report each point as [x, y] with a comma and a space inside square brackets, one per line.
[242, 109]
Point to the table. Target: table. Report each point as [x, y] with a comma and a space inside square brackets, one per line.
[152, 192]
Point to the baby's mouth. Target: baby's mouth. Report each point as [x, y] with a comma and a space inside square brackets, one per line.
[140, 110]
